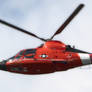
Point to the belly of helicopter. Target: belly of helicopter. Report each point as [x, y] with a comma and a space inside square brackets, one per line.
[31, 66]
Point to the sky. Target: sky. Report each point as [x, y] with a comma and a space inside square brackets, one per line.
[44, 17]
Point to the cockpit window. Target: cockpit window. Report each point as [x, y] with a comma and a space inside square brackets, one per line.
[29, 53]
[18, 57]
[21, 52]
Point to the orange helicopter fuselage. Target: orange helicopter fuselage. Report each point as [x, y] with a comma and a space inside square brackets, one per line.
[48, 58]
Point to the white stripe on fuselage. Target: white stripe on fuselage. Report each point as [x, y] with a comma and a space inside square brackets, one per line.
[85, 58]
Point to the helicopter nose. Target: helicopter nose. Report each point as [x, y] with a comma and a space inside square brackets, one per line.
[3, 65]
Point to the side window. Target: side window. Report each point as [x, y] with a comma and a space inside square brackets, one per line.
[30, 53]
[18, 57]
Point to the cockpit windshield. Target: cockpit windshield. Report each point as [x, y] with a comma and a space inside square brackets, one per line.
[21, 52]
[28, 53]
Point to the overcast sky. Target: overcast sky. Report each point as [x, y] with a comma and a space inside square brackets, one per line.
[44, 17]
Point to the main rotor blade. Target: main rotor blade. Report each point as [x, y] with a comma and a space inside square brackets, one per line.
[20, 29]
[77, 10]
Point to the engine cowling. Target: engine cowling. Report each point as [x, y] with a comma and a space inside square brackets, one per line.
[55, 45]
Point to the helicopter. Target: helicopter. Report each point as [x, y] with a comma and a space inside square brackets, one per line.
[52, 56]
